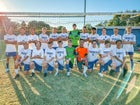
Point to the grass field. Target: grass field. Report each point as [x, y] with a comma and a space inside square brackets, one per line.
[73, 90]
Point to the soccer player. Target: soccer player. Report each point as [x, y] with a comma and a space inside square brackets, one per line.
[54, 37]
[70, 51]
[84, 35]
[37, 58]
[21, 39]
[114, 38]
[93, 55]
[63, 36]
[23, 59]
[32, 39]
[44, 38]
[60, 57]
[74, 35]
[120, 57]
[81, 55]
[50, 55]
[103, 38]
[10, 41]
[129, 40]
[106, 58]
[93, 36]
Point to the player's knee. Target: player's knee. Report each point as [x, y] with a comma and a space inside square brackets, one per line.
[16, 64]
[31, 64]
[56, 65]
[67, 61]
[44, 64]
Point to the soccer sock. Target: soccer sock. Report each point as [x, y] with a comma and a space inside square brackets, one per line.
[7, 65]
[131, 63]
[67, 67]
[45, 71]
[16, 71]
[33, 71]
[56, 70]
[85, 69]
[101, 68]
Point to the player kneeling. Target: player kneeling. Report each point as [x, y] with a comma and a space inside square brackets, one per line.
[81, 55]
[70, 57]
[49, 63]
[93, 52]
[23, 59]
[120, 58]
[106, 58]
[37, 58]
[60, 57]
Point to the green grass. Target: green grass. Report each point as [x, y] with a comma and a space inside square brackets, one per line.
[62, 90]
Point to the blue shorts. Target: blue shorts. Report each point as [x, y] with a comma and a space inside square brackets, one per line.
[50, 68]
[107, 64]
[60, 67]
[10, 54]
[37, 67]
[91, 64]
[26, 67]
[130, 53]
[118, 68]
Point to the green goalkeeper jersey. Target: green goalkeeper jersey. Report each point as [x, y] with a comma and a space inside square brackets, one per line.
[70, 53]
[74, 36]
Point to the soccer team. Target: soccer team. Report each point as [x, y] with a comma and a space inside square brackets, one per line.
[56, 52]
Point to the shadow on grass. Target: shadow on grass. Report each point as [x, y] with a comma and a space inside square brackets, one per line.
[22, 99]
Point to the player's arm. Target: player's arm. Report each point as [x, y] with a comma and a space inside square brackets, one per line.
[101, 41]
[20, 43]
[118, 59]
[24, 59]
[70, 35]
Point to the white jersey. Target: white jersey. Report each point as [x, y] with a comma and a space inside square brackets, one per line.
[32, 38]
[106, 52]
[93, 54]
[120, 53]
[49, 54]
[24, 53]
[60, 53]
[44, 37]
[21, 38]
[10, 47]
[64, 35]
[38, 53]
[54, 36]
[114, 38]
[129, 37]
[93, 37]
[103, 37]
[84, 36]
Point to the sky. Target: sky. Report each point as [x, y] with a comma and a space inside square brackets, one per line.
[68, 5]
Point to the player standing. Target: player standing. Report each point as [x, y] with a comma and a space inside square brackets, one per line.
[10, 51]
[129, 40]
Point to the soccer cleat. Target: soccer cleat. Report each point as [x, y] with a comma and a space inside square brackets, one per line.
[68, 74]
[100, 74]
[7, 70]
[17, 75]
[85, 75]
[32, 75]
[45, 74]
